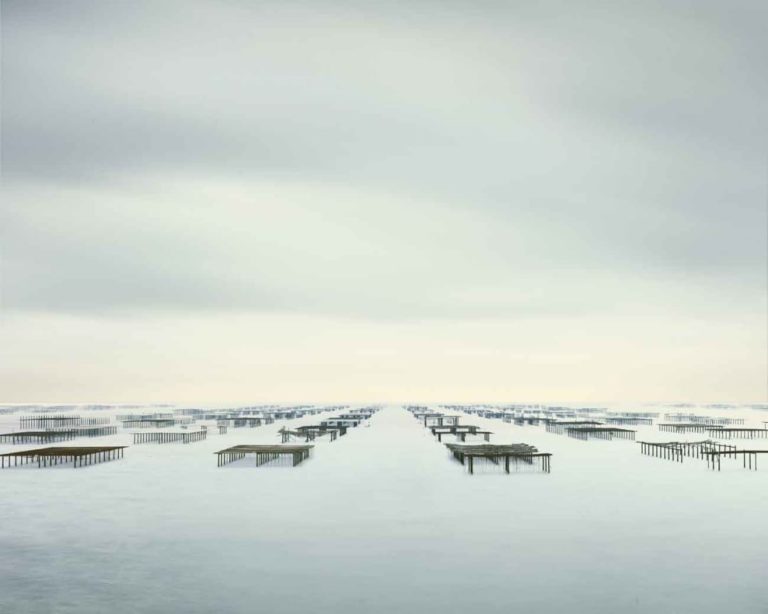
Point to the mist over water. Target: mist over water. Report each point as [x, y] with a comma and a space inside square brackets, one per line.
[385, 520]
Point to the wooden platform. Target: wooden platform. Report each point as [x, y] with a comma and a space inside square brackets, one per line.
[264, 453]
[170, 436]
[517, 452]
[311, 433]
[600, 432]
[59, 421]
[48, 457]
[630, 420]
[737, 433]
[51, 436]
[242, 421]
[685, 427]
[675, 450]
[712, 451]
[460, 431]
[149, 422]
[710, 420]
[48, 421]
[749, 457]
[38, 436]
[559, 427]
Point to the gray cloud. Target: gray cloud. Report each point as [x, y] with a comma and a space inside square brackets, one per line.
[384, 159]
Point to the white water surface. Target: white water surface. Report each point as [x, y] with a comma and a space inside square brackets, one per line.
[385, 521]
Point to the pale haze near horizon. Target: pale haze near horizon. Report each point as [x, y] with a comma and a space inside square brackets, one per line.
[322, 201]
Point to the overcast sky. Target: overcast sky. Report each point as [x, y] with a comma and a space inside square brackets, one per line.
[423, 200]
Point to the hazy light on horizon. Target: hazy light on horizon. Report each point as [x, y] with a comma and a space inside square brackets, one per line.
[409, 201]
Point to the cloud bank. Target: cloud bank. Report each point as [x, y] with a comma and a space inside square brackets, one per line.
[552, 163]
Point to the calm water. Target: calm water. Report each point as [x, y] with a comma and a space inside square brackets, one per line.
[383, 520]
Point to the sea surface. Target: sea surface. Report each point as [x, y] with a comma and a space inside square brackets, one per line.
[384, 520]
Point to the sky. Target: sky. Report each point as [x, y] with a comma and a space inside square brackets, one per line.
[243, 201]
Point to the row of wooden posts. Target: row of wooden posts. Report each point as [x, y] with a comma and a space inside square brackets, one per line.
[57, 421]
[53, 435]
[711, 451]
[171, 436]
[49, 457]
[544, 458]
[263, 454]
